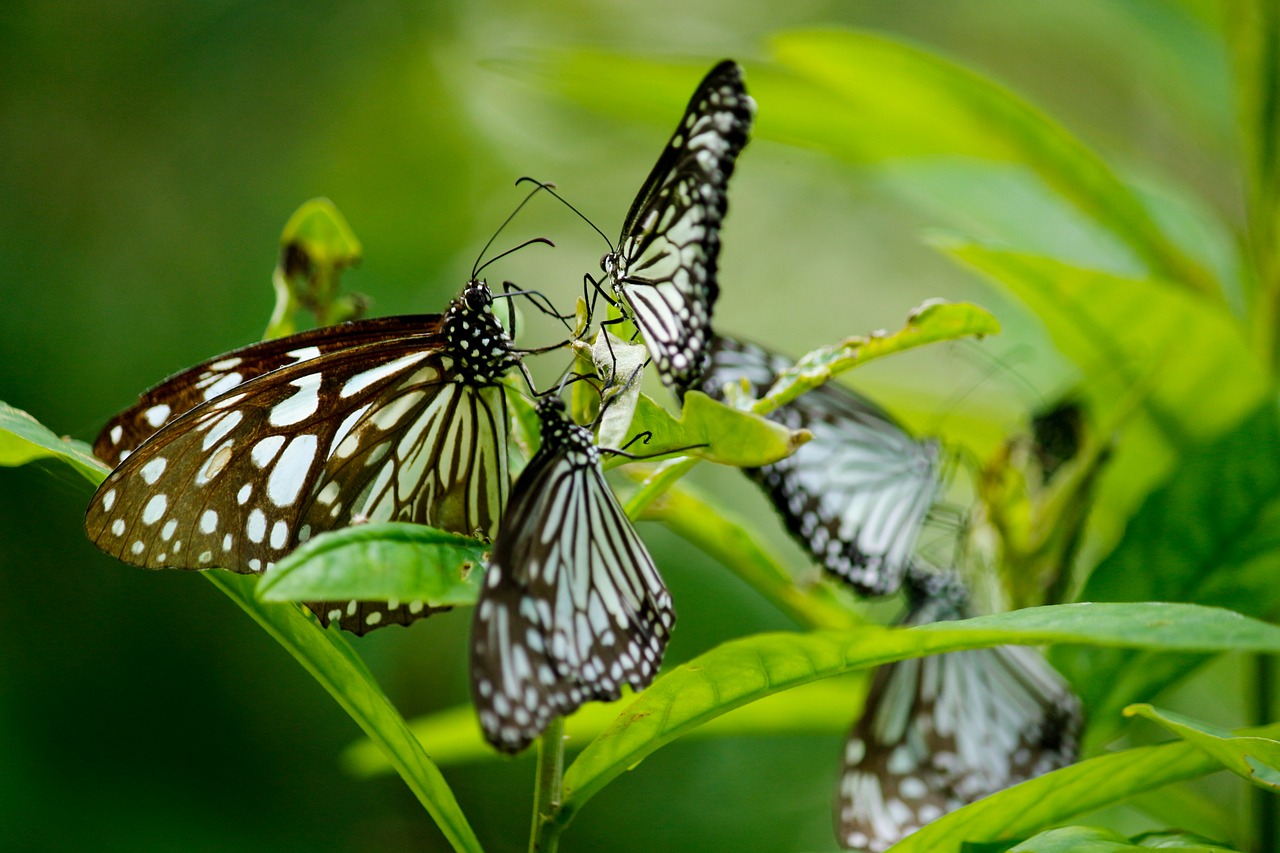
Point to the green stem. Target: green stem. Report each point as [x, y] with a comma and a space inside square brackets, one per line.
[1264, 812]
[544, 837]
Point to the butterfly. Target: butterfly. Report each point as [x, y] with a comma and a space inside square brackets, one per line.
[664, 270]
[236, 461]
[940, 732]
[572, 606]
[857, 494]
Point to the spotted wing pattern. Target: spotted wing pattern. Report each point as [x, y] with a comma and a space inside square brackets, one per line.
[857, 494]
[572, 605]
[409, 428]
[187, 389]
[664, 269]
[943, 731]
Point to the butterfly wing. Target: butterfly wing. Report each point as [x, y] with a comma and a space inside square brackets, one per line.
[572, 606]
[376, 432]
[857, 494]
[943, 731]
[665, 265]
[183, 391]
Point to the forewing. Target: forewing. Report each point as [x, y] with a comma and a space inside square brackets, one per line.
[857, 494]
[572, 607]
[228, 483]
[670, 243]
[183, 391]
[943, 731]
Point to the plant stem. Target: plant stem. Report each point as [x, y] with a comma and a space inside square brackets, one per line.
[1264, 814]
[544, 837]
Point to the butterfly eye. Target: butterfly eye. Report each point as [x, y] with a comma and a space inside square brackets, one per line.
[477, 298]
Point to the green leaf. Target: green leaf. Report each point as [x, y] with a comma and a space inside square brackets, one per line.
[710, 430]
[23, 440]
[821, 708]
[1211, 535]
[316, 245]
[743, 671]
[864, 97]
[932, 322]
[728, 538]
[886, 99]
[379, 562]
[1256, 759]
[332, 662]
[1091, 839]
[620, 364]
[1119, 331]
[1081, 839]
[324, 654]
[1051, 799]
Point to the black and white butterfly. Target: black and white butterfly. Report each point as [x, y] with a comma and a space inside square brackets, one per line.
[857, 494]
[943, 731]
[663, 271]
[236, 461]
[572, 606]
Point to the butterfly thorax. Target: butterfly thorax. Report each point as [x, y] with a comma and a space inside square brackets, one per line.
[476, 340]
[561, 435]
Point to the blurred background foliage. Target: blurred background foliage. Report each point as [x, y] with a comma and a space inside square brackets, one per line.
[153, 151]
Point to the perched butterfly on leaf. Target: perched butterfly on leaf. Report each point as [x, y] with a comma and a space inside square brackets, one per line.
[940, 732]
[236, 461]
[857, 494]
[664, 269]
[572, 605]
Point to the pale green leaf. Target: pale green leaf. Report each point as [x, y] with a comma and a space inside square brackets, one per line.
[1203, 378]
[932, 322]
[620, 364]
[709, 429]
[379, 562]
[1256, 759]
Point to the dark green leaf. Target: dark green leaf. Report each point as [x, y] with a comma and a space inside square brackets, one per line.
[1211, 536]
[333, 663]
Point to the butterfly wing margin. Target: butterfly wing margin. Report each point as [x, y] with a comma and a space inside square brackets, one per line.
[572, 607]
[943, 731]
[183, 391]
[669, 248]
[857, 494]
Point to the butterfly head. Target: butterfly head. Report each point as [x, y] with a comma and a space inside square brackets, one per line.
[611, 265]
[475, 338]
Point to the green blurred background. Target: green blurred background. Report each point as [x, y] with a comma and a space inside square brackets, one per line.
[153, 151]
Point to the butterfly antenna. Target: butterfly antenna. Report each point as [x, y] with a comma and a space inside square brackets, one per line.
[476, 267]
[550, 188]
[475, 271]
[994, 364]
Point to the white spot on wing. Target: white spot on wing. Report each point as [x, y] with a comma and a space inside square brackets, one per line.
[290, 471]
[360, 381]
